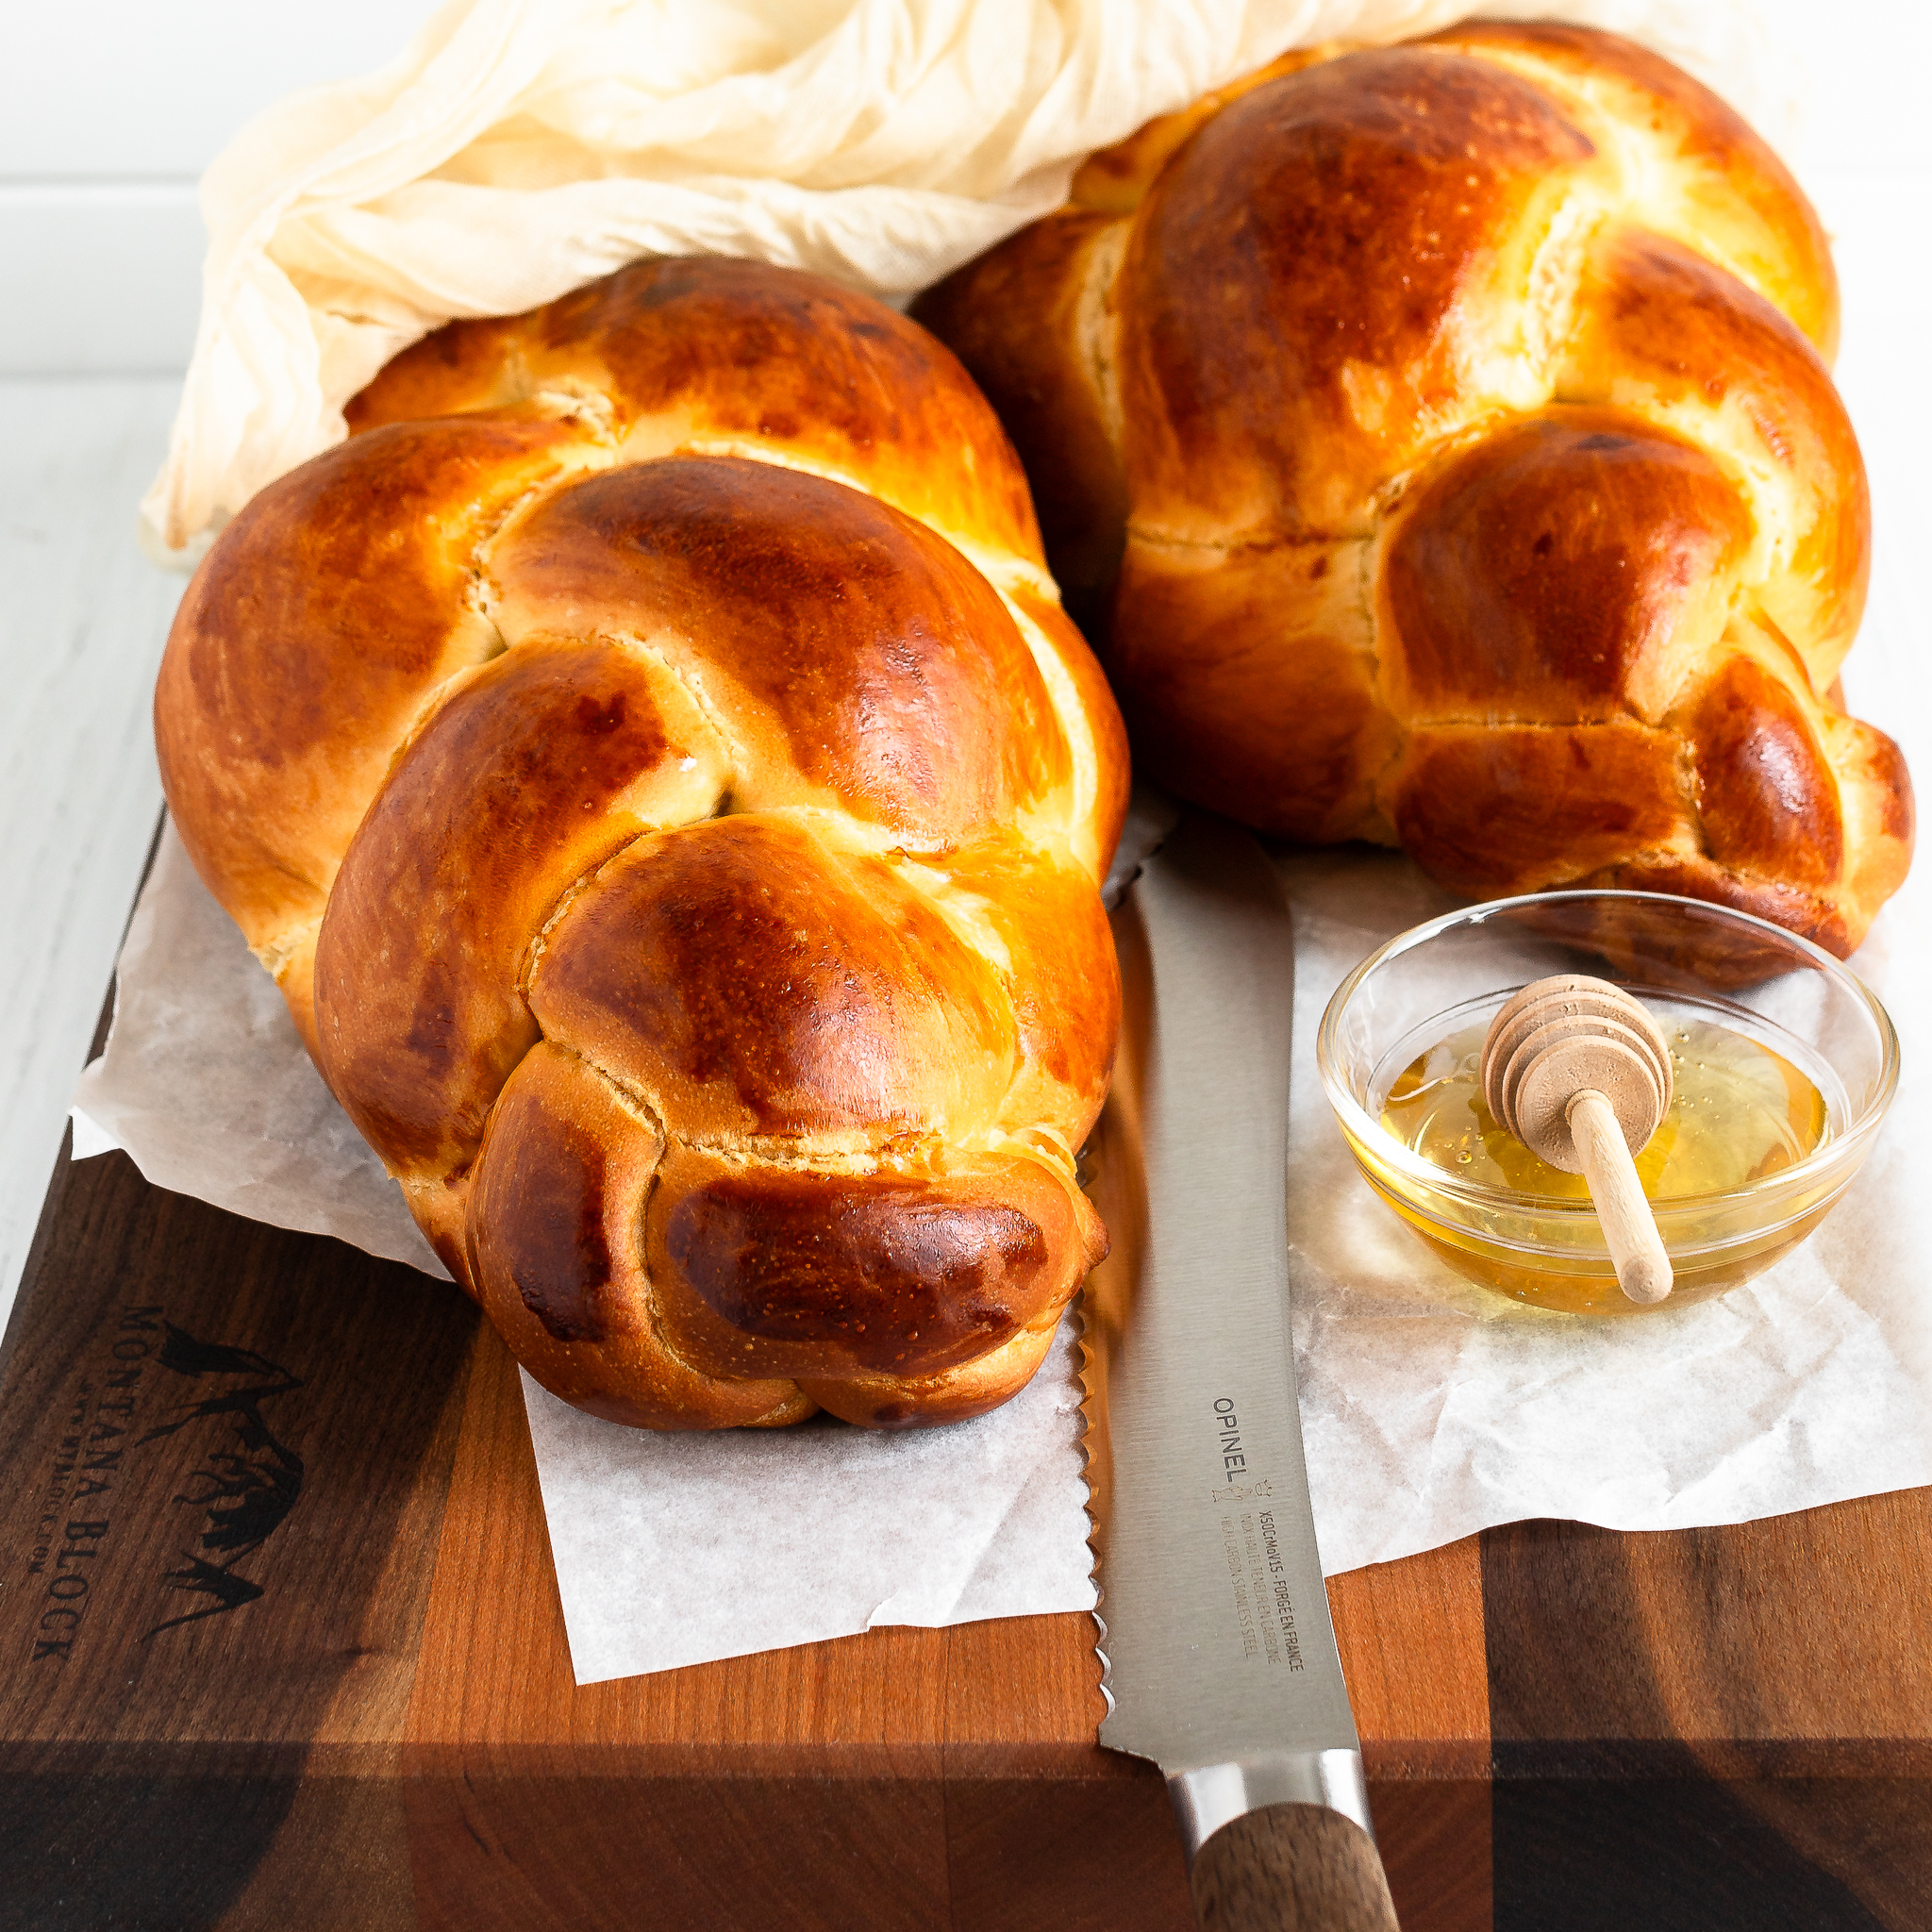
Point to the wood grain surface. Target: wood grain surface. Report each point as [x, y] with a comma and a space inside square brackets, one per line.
[280, 1646]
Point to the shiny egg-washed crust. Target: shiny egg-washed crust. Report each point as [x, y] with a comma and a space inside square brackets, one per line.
[1441, 437]
[651, 756]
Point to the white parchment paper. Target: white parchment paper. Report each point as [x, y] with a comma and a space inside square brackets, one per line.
[206, 1083]
[673, 1549]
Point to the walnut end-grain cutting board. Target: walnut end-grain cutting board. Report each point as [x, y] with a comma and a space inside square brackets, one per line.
[280, 1648]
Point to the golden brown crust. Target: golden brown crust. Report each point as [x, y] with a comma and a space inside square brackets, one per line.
[333, 607]
[893, 1401]
[708, 353]
[539, 768]
[1100, 779]
[1765, 794]
[1577, 564]
[1301, 287]
[1664, 333]
[1062, 981]
[557, 1203]
[672, 803]
[750, 979]
[832, 1277]
[1116, 180]
[1469, 438]
[1046, 383]
[1511, 808]
[1711, 181]
[863, 662]
[1287, 739]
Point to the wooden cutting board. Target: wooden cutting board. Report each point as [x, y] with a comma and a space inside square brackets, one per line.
[281, 1647]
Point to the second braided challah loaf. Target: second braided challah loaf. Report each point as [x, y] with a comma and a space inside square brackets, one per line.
[1441, 438]
[652, 760]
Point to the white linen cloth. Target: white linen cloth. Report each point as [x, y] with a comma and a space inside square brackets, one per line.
[520, 148]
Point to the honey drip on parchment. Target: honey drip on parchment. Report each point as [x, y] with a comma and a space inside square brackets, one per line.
[1740, 1112]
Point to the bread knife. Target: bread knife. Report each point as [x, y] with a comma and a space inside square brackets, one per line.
[1220, 1658]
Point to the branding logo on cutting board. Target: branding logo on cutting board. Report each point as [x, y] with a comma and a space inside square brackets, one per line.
[239, 1490]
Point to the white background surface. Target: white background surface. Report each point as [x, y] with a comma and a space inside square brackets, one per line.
[106, 114]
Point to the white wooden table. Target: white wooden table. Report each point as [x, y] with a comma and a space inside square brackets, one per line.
[83, 615]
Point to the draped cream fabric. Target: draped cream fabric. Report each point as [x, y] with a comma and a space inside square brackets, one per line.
[519, 148]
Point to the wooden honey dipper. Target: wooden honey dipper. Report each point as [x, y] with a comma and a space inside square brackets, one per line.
[1579, 1073]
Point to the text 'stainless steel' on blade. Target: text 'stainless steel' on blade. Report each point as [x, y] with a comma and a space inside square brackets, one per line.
[1221, 1659]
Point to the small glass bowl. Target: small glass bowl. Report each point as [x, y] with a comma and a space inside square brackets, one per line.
[1685, 959]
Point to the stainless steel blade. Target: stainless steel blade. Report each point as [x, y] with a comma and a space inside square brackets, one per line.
[1221, 1656]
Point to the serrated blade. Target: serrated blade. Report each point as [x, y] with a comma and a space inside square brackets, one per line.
[1221, 1658]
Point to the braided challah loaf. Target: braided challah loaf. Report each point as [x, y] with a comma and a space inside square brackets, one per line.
[650, 755]
[1438, 435]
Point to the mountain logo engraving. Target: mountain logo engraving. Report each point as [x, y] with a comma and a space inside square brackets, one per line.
[245, 1485]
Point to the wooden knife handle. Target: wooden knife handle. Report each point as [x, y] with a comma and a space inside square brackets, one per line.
[1291, 1867]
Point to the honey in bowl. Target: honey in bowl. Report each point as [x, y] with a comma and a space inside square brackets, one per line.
[1783, 1066]
[1739, 1111]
